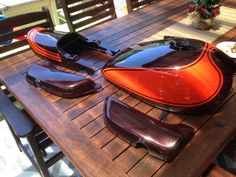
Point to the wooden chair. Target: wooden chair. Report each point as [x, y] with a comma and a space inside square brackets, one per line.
[14, 28]
[22, 126]
[134, 5]
[84, 14]
[12, 41]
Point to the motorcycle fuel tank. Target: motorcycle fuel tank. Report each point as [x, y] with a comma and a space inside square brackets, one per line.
[175, 74]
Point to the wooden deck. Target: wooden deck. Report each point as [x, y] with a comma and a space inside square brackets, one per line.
[77, 127]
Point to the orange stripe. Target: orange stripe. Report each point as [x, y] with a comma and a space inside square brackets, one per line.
[39, 49]
[42, 51]
[202, 57]
[48, 54]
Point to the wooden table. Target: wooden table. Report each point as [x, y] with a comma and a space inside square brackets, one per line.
[77, 127]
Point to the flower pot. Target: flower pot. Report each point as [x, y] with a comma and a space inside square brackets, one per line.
[200, 23]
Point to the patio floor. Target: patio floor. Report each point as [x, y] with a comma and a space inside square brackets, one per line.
[14, 163]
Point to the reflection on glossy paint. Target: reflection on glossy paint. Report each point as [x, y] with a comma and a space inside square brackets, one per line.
[172, 74]
[162, 140]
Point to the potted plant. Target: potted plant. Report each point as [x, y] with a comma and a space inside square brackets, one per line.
[203, 12]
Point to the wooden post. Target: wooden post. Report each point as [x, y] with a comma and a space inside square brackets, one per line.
[123, 7]
[129, 8]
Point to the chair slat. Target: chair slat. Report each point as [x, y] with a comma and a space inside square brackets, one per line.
[91, 20]
[23, 19]
[18, 26]
[95, 10]
[55, 158]
[21, 32]
[136, 4]
[73, 1]
[92, 12]
[13, 45]
[85, 5]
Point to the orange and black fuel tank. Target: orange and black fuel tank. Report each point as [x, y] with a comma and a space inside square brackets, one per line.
[175, 74]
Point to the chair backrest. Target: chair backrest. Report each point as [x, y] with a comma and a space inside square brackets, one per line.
[137, 4]
[84, 14]
[13, 30]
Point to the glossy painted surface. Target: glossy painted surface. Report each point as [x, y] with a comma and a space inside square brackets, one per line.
[59, 82]
[162, 140]
[158, 54]
[176, 75]
[44, 43]
[64, 48]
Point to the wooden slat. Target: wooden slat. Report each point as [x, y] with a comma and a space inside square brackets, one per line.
[21, 32]
[11, 61]
[77, 10]
[14, 54]
[85, 5]
[73, 1]
[24, 23]
[90, 102]
[229, 3]
[91, 128]
[91, 12]
[130, 158]
[23, 19]
[137, 4]
[13, 45]
[230, 35]
[115, 148]
[96, 112]
[217, 171]
[93, 19]
[148, 165]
